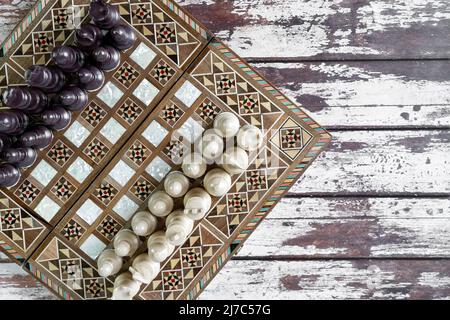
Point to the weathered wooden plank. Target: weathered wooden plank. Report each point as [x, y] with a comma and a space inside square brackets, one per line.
[357, 279]
[329, 29]
[341, 279]
[17, 284]
[353, 228]
[375, 117]
[312, 29]
[380, 162]
[367, 83]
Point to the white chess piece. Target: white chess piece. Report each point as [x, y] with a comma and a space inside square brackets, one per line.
[109, 263]
[144, 269]
[125, 287]
[176, 184]
[143, 223]
[217, 182]
[196, 202]
[226, 124]
[125, 243]
[178, 227]
[211, 145]
[234, 160]
[250, 138]
[159, 247]
[160, 204]
[194, 166]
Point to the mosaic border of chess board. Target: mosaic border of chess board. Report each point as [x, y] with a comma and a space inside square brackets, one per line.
[65, 260]
[147, 70]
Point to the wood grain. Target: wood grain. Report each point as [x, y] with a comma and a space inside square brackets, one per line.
[338, 279]
[329, 29]
[380, 162]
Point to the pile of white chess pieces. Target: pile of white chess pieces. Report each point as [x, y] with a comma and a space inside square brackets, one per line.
[197, 202]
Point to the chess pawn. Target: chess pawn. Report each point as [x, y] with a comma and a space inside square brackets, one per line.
[226, 124]
[13, 122]
[30, 100]
[91, 78]
[73, 98]
[20, 157]
[178, 227]
[217, 182]
[126, 243]
[106, 58]
[144, 269]
[160, 204]
[196, 202]
[56, 118]
[104, 14]
[143, 223]
[109, 263]
[39, 137]
[250, 138]
[68, 58]
[176, 184]
[234, 160]
[49, 79]
[194, 166]
[159, 248]
[211, 145]
[88, 37]
[122, 37]
[125, 287]
[9, 175]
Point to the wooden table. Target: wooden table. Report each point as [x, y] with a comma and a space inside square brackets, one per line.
[376, 224]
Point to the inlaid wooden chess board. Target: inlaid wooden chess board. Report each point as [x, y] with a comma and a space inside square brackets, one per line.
[100, 170]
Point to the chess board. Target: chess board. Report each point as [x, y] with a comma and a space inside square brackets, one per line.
[100, 170]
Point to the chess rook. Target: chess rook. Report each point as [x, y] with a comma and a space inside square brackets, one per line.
[39, 137]
[121, 37]
[31, 100]
[88, 37]
[13, 122]
[9, 175]
[20, 157]
[104, 14]
[106, 57]
[49, 79]
[73, 98]
[68, 58]
[91, 78]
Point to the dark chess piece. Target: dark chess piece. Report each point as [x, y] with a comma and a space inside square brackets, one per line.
[91, 78]
[57, 118]
[88, 37]
[122, 37]
[39, 137]
[20, 157]
[5, 141]
[30, 100]
[9, 175]
[13, 122]
[68, 58]
[49, 79]
[106, 57]
[104, 14]
[73, 98]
